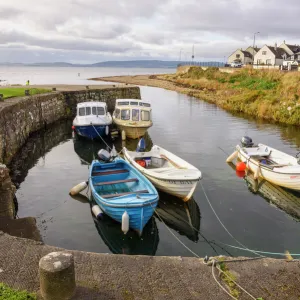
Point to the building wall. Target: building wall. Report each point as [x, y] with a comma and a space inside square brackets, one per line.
[233, 57]
[259, 58]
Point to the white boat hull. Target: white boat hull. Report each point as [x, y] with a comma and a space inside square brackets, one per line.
[290, 180]
[180, 181]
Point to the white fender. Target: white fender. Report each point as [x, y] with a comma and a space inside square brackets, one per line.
[106, 130]
[78, 188]
[231, 157]
[97, 211]
[257, 172]
[123, 135]
[125, 222]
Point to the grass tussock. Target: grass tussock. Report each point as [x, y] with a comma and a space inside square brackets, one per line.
[268, 94]
[6, 293]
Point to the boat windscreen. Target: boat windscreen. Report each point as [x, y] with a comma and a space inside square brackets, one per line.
[81, 111]
[134, 103]
[99, 111]
[145, 115]
[123, 103]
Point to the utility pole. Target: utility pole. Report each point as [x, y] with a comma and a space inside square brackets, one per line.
[193, 54]
[253, 48]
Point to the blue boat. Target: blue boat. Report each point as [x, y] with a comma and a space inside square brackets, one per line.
[92, 120]
[123, 193]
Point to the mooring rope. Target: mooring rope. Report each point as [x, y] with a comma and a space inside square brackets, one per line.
[101, 137]
[224, 225]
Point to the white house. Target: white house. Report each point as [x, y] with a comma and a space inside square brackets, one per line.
[243, 56]
[272, 56]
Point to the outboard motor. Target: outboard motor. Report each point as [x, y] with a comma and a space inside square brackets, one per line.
[104, 155]
[246, 141]
[141, 146]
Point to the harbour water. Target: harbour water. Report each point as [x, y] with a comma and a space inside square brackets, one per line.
[201, 133]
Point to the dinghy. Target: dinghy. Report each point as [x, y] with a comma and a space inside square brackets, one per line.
[123, 193]
[273, 165]
[168, 172]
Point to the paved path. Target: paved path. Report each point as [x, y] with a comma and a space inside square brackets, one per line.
[107, 276]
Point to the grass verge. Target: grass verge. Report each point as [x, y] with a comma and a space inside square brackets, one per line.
[6, 293]
[20, 91]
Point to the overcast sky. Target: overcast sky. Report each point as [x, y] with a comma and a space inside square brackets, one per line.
[87, 31]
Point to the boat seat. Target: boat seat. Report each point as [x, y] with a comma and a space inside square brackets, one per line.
[124, 194]
[258, 151]
[117, 181]
[110, 172]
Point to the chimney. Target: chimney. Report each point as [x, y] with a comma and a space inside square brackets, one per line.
[275, 46]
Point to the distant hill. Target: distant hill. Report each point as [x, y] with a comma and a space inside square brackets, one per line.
[118, 64]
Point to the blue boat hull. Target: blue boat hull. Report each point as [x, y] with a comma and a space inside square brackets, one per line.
[91, 132]
[139, 206]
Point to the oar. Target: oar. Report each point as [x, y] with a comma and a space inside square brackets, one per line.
[171, 162]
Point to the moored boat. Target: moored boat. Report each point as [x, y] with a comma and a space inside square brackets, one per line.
[168, 172]
[123, 193]
[92, 120]
[133, 117]
[271, 164]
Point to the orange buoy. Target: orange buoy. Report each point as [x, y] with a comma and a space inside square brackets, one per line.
[240, 166]
[73, 127]
[240, 174]
[142, 163]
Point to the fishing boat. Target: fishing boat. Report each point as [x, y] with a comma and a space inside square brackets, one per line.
[92, 120]
[168, 172]
[123, 193]
[273, 165]
[133, 117]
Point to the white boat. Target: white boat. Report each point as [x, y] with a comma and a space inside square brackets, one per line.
[168, 172]
[92, 120]
[133, 117]
[275, 166]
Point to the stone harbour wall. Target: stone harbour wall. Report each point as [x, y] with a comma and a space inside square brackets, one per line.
[19, 117]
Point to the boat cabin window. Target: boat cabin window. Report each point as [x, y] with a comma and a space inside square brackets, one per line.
[88, 111]
[81, 111]
[145, 104]
[145, 115]
[135, 115]
[125, 114]
[123, 103]
[117, 113]
[99, 111]
[134, 103]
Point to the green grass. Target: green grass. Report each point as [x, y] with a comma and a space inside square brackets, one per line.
[19, 92]
[6, 293]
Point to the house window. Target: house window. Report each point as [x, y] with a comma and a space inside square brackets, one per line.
[237, 55]
[264, 53]
[259, 61]
[268, 61]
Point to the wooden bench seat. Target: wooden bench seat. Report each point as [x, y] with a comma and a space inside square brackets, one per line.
[117, 181]
[110, 172]
[124, 194]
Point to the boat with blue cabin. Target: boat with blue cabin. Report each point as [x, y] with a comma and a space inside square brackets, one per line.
[123, 193]
[92, 120]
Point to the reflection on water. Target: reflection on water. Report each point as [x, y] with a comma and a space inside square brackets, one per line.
[286, 200]
[184, 217]
[87, 149]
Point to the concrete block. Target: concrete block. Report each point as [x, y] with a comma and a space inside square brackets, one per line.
[57, 276]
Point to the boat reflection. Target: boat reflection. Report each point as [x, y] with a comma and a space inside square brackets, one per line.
[131, 243]
[184, 217]
[87, 149]
[285, 199]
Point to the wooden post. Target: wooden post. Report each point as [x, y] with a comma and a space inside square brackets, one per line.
[57, 276]
[27, 92]
[1, 97]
